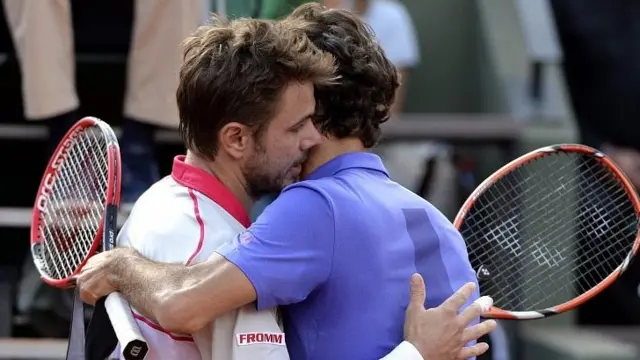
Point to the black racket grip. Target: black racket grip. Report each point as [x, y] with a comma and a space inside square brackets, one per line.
[135, 350]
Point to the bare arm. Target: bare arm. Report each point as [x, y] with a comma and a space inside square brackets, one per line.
[182, 299]
[398, 103]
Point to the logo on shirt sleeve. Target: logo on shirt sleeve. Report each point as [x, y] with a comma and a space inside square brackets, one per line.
[244, 238]
[260, 338]
[235, 242]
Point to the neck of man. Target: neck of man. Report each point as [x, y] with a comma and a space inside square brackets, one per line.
[233, 180]
[330, 149]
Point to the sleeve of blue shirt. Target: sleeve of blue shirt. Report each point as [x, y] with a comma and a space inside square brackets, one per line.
[287, 252]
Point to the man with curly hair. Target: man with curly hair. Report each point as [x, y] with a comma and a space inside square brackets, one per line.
[334, 251]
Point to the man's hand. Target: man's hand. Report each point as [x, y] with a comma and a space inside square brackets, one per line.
[94, 282]
[440, 333]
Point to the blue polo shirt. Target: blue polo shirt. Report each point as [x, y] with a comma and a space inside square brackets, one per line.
[336, 252]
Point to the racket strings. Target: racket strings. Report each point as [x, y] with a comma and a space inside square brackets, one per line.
[606, 266]
[490, 209]
[550, 280]
[559, 282]
[65, 244]
[523, 229]
[76, 203]
[82, 220]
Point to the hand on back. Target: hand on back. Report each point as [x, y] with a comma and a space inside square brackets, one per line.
[441, 333]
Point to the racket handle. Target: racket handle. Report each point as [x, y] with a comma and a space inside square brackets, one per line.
[132, 344]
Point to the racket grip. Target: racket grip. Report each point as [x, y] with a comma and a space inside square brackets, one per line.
[132, 344]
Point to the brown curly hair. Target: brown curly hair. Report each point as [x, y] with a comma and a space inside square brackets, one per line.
[361, 100]
[234, 71]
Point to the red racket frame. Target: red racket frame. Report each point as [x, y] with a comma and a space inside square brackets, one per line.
[112, 197]
[498, 313]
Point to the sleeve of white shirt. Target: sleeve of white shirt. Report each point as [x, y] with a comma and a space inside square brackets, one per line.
[404, 351]
[394, 29]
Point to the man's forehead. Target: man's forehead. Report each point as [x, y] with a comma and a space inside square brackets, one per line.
[296, 103]
[298, 93]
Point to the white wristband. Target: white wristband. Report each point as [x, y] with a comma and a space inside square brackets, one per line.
[404, 351]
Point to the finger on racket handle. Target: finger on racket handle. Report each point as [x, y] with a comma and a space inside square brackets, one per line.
[132, 343]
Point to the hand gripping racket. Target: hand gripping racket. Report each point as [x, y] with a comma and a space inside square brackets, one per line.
[76, 211]
[550, 230]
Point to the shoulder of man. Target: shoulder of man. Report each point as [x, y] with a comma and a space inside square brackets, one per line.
[322, 186]
[171, 223]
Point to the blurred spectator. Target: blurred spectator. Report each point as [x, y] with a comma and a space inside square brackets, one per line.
[43, 38]
[601, 43]
[392, 25]
[42, 33]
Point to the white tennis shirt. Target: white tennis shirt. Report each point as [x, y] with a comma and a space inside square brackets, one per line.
[184, 218]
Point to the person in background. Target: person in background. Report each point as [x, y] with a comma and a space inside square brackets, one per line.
[601, 47]
[393, 27]
[42, 33]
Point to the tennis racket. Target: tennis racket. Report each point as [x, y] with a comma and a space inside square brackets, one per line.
[550, 230]
[75, 213]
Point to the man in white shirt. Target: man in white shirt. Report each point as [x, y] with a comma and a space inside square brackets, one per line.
[184, 217]
[246, 98]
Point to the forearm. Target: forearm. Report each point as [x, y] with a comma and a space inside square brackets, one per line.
[181, 299]
[404, 351]
[147, 284]
[398, 102]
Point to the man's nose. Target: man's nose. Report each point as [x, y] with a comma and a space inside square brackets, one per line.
[312, 138]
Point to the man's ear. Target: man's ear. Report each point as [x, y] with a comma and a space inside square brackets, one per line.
[235, 139]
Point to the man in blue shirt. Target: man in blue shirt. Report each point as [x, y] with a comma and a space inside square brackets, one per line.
[333, 251]
[336, 250]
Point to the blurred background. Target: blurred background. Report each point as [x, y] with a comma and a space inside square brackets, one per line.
[484, 81]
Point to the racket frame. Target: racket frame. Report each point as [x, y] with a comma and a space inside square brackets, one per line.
[112, 194]
[109, 224]
[133, 344]
[497, 313]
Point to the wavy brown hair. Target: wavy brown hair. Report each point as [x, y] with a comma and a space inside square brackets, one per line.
[362, 97]
[235, 71]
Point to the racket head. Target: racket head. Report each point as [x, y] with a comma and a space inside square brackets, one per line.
[80, 181]
[479, 252]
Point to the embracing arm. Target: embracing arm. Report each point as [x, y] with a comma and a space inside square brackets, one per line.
[282, 258]
[182, 299]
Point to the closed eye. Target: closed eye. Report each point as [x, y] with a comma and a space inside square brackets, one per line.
[300, 124]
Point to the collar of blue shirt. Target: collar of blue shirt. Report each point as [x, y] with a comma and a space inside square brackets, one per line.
[361, 160]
